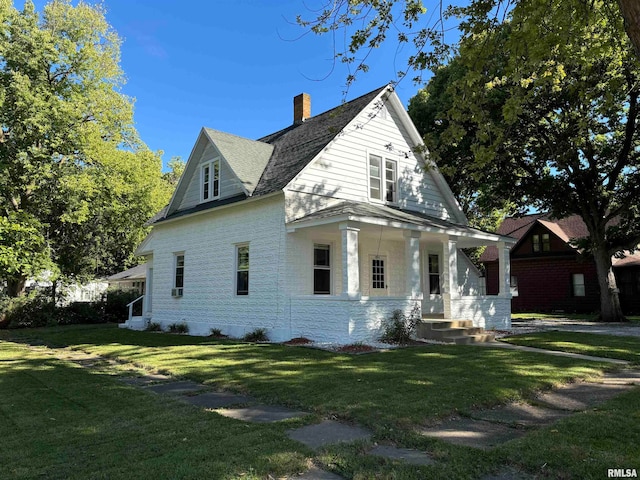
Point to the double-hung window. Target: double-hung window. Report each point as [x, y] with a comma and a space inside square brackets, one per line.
[178, 275]
[383, 179]
[541, 243]
[434, 275]
[210, 180]
[242, 269]
[321, 269]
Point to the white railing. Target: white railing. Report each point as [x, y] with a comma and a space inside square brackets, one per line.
[130, 305]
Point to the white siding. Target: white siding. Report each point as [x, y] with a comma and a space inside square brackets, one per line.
[208, 242]
[468, 276]
[341, 171]
[229, 183]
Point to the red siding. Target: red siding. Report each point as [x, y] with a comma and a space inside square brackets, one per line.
[544, 284]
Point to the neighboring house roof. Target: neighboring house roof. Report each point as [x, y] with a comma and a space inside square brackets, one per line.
[568, 228]
[139, 272]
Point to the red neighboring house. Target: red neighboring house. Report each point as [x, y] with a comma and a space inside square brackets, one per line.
[549, 274]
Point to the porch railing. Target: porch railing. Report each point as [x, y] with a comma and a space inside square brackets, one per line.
[130, 305]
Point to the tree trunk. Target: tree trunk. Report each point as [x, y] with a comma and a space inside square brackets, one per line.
[630, 10]
[16, 286]
[610, 310]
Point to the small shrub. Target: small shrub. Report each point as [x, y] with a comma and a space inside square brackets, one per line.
[217, 333]
[399, 328]
[258, 335]
[81, 312]
[29, 311]
[153, 327]
[179, 328]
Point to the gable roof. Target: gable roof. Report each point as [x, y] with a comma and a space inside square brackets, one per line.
[297, 145]
[246, 158]
[269, 164]
[517, 227]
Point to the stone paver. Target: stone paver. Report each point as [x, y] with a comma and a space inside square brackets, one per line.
[473, 433]
[327, 432]
[623, 377]
[405, 455]
[580, 396]
[144, 380]
[213, 400]
[521, 414]
[314, 473]
[176, 388]
[260, 413]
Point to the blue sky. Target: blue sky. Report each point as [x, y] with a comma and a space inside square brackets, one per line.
[231, 65]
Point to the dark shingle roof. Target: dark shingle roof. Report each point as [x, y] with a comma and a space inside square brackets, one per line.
[297, 145]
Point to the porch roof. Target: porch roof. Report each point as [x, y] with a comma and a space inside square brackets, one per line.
[395, 218]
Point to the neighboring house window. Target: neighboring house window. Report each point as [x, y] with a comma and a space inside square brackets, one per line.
[178, 278]
[377, 273]
[577, 280]
[513, 283]
[541, 243]
[383, 182]
[242, 270]
[434, 275]
[210, 180]
[321, 269]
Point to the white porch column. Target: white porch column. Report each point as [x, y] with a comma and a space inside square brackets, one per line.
[412, 263]
[147, 302]
[452, 286]
[504, 269]
[350, 261]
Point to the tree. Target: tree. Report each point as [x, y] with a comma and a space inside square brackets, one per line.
[73, 173]
[565, 137]
[176, 166]
[367, 24]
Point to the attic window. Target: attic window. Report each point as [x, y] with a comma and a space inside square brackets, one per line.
[539, 245]
[383, 179]
[210, 180]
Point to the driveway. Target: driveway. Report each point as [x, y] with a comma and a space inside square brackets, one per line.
[528, 325]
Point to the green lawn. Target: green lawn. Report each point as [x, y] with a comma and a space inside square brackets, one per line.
[62, 421]
[609, 346]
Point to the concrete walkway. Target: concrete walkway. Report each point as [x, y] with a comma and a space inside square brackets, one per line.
[557, 353]
[540, 324]
[483, 429]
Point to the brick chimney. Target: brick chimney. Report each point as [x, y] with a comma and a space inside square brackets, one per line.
[301, 107]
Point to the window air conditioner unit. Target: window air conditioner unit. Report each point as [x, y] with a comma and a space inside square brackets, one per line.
[176, 292]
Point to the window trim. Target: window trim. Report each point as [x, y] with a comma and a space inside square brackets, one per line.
[177, 291]
[328, 268]
[540, 242]
[438, 273]
[383, 179]
[373, 258]
[213, 183]
[237, 269]
[574, 285]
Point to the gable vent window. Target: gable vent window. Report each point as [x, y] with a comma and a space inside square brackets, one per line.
[541, 243]
[210, 180]
[383, 179]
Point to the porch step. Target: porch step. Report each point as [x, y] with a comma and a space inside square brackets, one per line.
[461, 332]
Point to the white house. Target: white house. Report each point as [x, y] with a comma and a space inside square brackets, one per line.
[321, 230]
[130, 280]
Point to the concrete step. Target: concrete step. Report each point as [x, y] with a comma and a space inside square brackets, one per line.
[452, 331]
[440, 324]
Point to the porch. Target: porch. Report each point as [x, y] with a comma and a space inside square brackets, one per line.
[354, 264]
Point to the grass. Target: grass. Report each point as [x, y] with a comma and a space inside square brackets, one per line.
[107, 430]
[609, 346]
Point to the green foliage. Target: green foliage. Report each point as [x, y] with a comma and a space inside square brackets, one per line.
[33, 310]
[153, 327]
[72, 169]
[116, 309]
[217, 333]
[400, 328]
[257, 335]
[179, 328]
